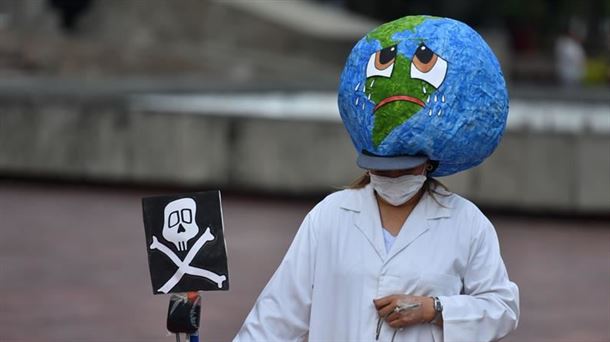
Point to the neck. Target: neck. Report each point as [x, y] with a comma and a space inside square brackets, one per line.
[393, 217]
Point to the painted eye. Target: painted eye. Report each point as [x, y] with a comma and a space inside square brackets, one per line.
[187, 215]
[174, 219]
[381, 63]
[428, 66]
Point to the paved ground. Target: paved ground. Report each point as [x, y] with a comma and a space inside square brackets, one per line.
[73, 267]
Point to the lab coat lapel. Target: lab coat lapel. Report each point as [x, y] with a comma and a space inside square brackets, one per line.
[368, 221]
[415, 226]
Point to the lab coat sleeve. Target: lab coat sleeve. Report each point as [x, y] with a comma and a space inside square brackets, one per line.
[281, 312]
[488, 309]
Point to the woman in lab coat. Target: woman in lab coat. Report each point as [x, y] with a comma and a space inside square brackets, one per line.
[397, 256]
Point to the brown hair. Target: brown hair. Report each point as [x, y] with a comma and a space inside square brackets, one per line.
[430, 186]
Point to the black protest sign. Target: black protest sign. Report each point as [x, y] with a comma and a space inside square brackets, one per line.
[185, 242]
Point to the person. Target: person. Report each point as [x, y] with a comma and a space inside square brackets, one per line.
[396, 256]
[570, 56]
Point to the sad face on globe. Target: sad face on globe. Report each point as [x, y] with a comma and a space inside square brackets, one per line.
[414, 87]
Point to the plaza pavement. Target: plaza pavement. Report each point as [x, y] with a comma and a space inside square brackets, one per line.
[73, 266]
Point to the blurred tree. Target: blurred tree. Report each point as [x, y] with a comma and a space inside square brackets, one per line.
[531, 25]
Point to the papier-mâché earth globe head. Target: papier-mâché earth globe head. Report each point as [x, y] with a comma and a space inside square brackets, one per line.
[420, 88]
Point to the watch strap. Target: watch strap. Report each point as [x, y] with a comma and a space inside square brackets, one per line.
[438, 310]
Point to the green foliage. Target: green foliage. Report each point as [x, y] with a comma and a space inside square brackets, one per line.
[384, 32]
[396, 113]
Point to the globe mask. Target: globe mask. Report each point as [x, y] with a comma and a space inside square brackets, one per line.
[423, 86]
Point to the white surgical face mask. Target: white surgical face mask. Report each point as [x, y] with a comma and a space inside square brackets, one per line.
[398, 190]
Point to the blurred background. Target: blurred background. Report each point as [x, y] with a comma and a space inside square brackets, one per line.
[105, 102]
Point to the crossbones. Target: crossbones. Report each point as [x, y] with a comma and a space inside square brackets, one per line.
[184, 266]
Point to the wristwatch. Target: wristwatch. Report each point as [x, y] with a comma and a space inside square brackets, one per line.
[438, 310]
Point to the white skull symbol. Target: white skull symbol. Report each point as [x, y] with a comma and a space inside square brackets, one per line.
[179, 224]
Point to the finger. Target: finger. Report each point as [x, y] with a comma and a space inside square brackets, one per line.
[395, 324]
[400, 322]
[387, 310]
[392, 317]
[383, 301]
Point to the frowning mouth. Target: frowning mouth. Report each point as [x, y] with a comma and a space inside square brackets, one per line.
[399, 98]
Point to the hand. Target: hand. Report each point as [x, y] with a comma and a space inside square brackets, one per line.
[401, 311]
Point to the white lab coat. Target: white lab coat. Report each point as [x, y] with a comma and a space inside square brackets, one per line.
[337, 264]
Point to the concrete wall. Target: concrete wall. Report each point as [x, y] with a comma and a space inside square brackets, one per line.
[111, 139]
[542, 171]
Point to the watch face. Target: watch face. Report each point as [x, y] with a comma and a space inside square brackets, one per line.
[437, 305]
